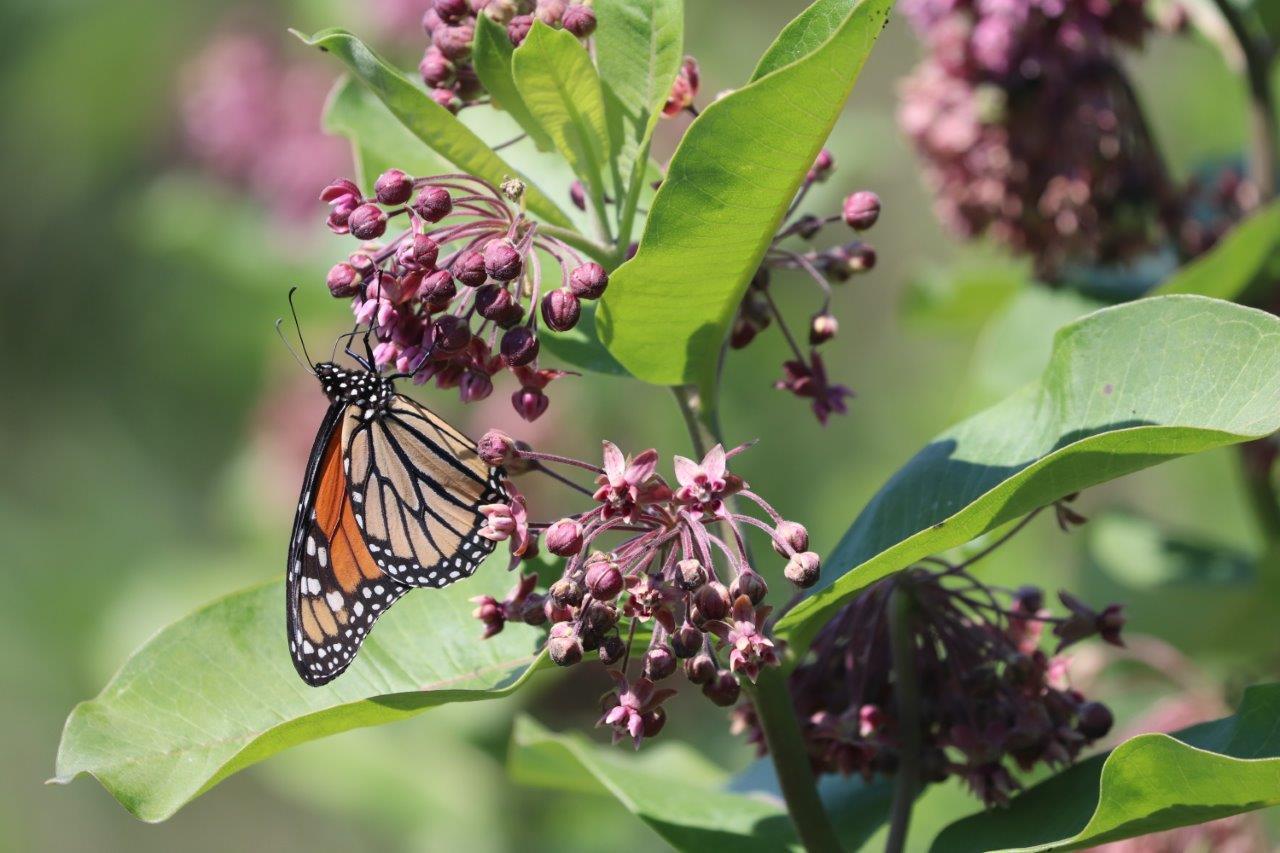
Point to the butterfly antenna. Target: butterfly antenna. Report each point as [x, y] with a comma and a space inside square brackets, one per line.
[298, 326]
[289, 347]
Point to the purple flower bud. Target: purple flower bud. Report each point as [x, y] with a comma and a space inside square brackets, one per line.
[431, 21]
[1028, 599]
[496, 448]
[550, 11]
[393, 187]
[793, 538]
[454, 41]
[686, 641]
[600, 616]
[436, 69]
[604, 579]
[563, 644]
[343, 189]
[652, 722]
[475, 386]
[589, 281]
[723, 690]
[446, 98]
[418, 253]
[1110, 621]
[367, 222]
[701, 668]
[690, 574]
[343, 280]
[1094, 720]
[451, 11]
[561, 309]
[502, 261]
[579, 20]
[564, 538]
[843, 262]
[518, 29]
[530, 403]
[803, 569]
[578, 195]
[808, 226]
[861, 210]
[566, 592]
[512, 316]
[468, 268]
[437, 289]
[467, 84]
[362, 262]
[612, 650]
[659, 663]
[449, 334]
[822, 328]
[533, 610]
[744, 331]
[492, 301]
[822, 166]
[712, 600]
[751, 585]
[433, 203]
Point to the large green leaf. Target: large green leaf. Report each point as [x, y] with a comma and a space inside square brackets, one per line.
[426, 119]
[216, 692]
[378, 141]
[561, 88]
[727, 188]
[639, 46]
[1147, 784]
[1230, 267]
[491, 56]
[1126, 388]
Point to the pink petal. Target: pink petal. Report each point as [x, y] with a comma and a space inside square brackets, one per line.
[686, 470]
[635, 726]
[614, 462]
[616, 715]
[713, 464]
[642, 467]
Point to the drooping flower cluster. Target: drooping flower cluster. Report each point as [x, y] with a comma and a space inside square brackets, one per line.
[805, 374]
[249, 117]
[670, 561]
[1029, 130]
[451, 26]
[458, 295]
[988, 692]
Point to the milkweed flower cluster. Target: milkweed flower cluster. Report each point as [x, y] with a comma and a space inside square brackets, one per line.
[451, 27]
[990, 697]
[804, 373]
[1029, 130]
[672, 560]
[459, 294]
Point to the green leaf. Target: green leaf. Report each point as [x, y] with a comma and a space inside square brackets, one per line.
[491, 56]
[216, 692]
[639, 47]
[803, 35]
[561, 89]
[1126, 388]
[727, 188]
[670, 788]
[1147, 784]
[1230, 267]
[426, 119]
[378, 140]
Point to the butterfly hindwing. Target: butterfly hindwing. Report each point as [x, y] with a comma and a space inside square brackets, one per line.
[335, 590]
[417, 486]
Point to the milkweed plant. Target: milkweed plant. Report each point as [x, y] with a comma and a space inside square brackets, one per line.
[881, 666]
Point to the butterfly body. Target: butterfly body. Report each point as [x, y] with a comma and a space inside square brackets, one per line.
[390, 501]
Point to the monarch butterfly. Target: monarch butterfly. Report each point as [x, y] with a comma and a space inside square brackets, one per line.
[390, 501]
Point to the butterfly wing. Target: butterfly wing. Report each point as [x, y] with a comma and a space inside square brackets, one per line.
[334, 590]
[417, 485]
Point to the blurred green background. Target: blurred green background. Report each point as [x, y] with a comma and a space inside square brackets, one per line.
[155, 428]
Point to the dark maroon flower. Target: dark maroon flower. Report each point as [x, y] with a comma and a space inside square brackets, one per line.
[589, 281]
[529, 403]
[579, 20]
[433, 203]
[861, 210]
[519, 346]
[343, 280]
[469, 269]
[722, 689]
[437, 289]
[393, 187]
[635, 703]
[367, 222]
[809, 381]
[502, 261]
[561, 309]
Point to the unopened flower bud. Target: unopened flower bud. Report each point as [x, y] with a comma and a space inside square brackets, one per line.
[600, 616]
[468, 268]
[343, 280]
[659, 663]
[566, 592]
[1028, 599]
[808, 226]
[496, 448]
[492, 301]
[513, 189]
[744, 331]
[604, 579]
[690, 574]
[652, 722]
[502, 261]
[612, 650]
[578, 195]
[686, 641]
[1094, 720]
[550, 11]
[556, 612]
[393, 187]
[451, 11]
[436, 69]
[449, 334]
[822, 166]
[519, 347]
[564, 538]
[533, 611]
[437, 289]
[561, 309]
[701, 668]
[712, 600]
[475, 386]
[564, 645]
[433, 203]
[454, 41]
[446, 98]
[790, 537]
[418, 253]
[579, 20]
[861, 210]
[723, 689]
[530, 403]
[751, 585]
[367, 222]
[589, 281]
[803, 569]
[518, 29]
[822, 328]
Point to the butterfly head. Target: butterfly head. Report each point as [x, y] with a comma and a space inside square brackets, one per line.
[361, 388]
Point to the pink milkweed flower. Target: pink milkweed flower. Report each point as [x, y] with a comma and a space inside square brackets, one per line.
[810, 381]
[638, 711]
[628, 484]
[749, 648]
[508, 521]
[704, 486]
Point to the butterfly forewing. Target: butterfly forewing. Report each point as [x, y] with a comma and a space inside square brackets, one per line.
[417, 486]
[335, 590]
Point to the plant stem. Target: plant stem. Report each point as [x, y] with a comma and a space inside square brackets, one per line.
[684, 399]
[1264, 141]
[907, 693]
[777, 718]
[598, 252]
[1257, 460]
